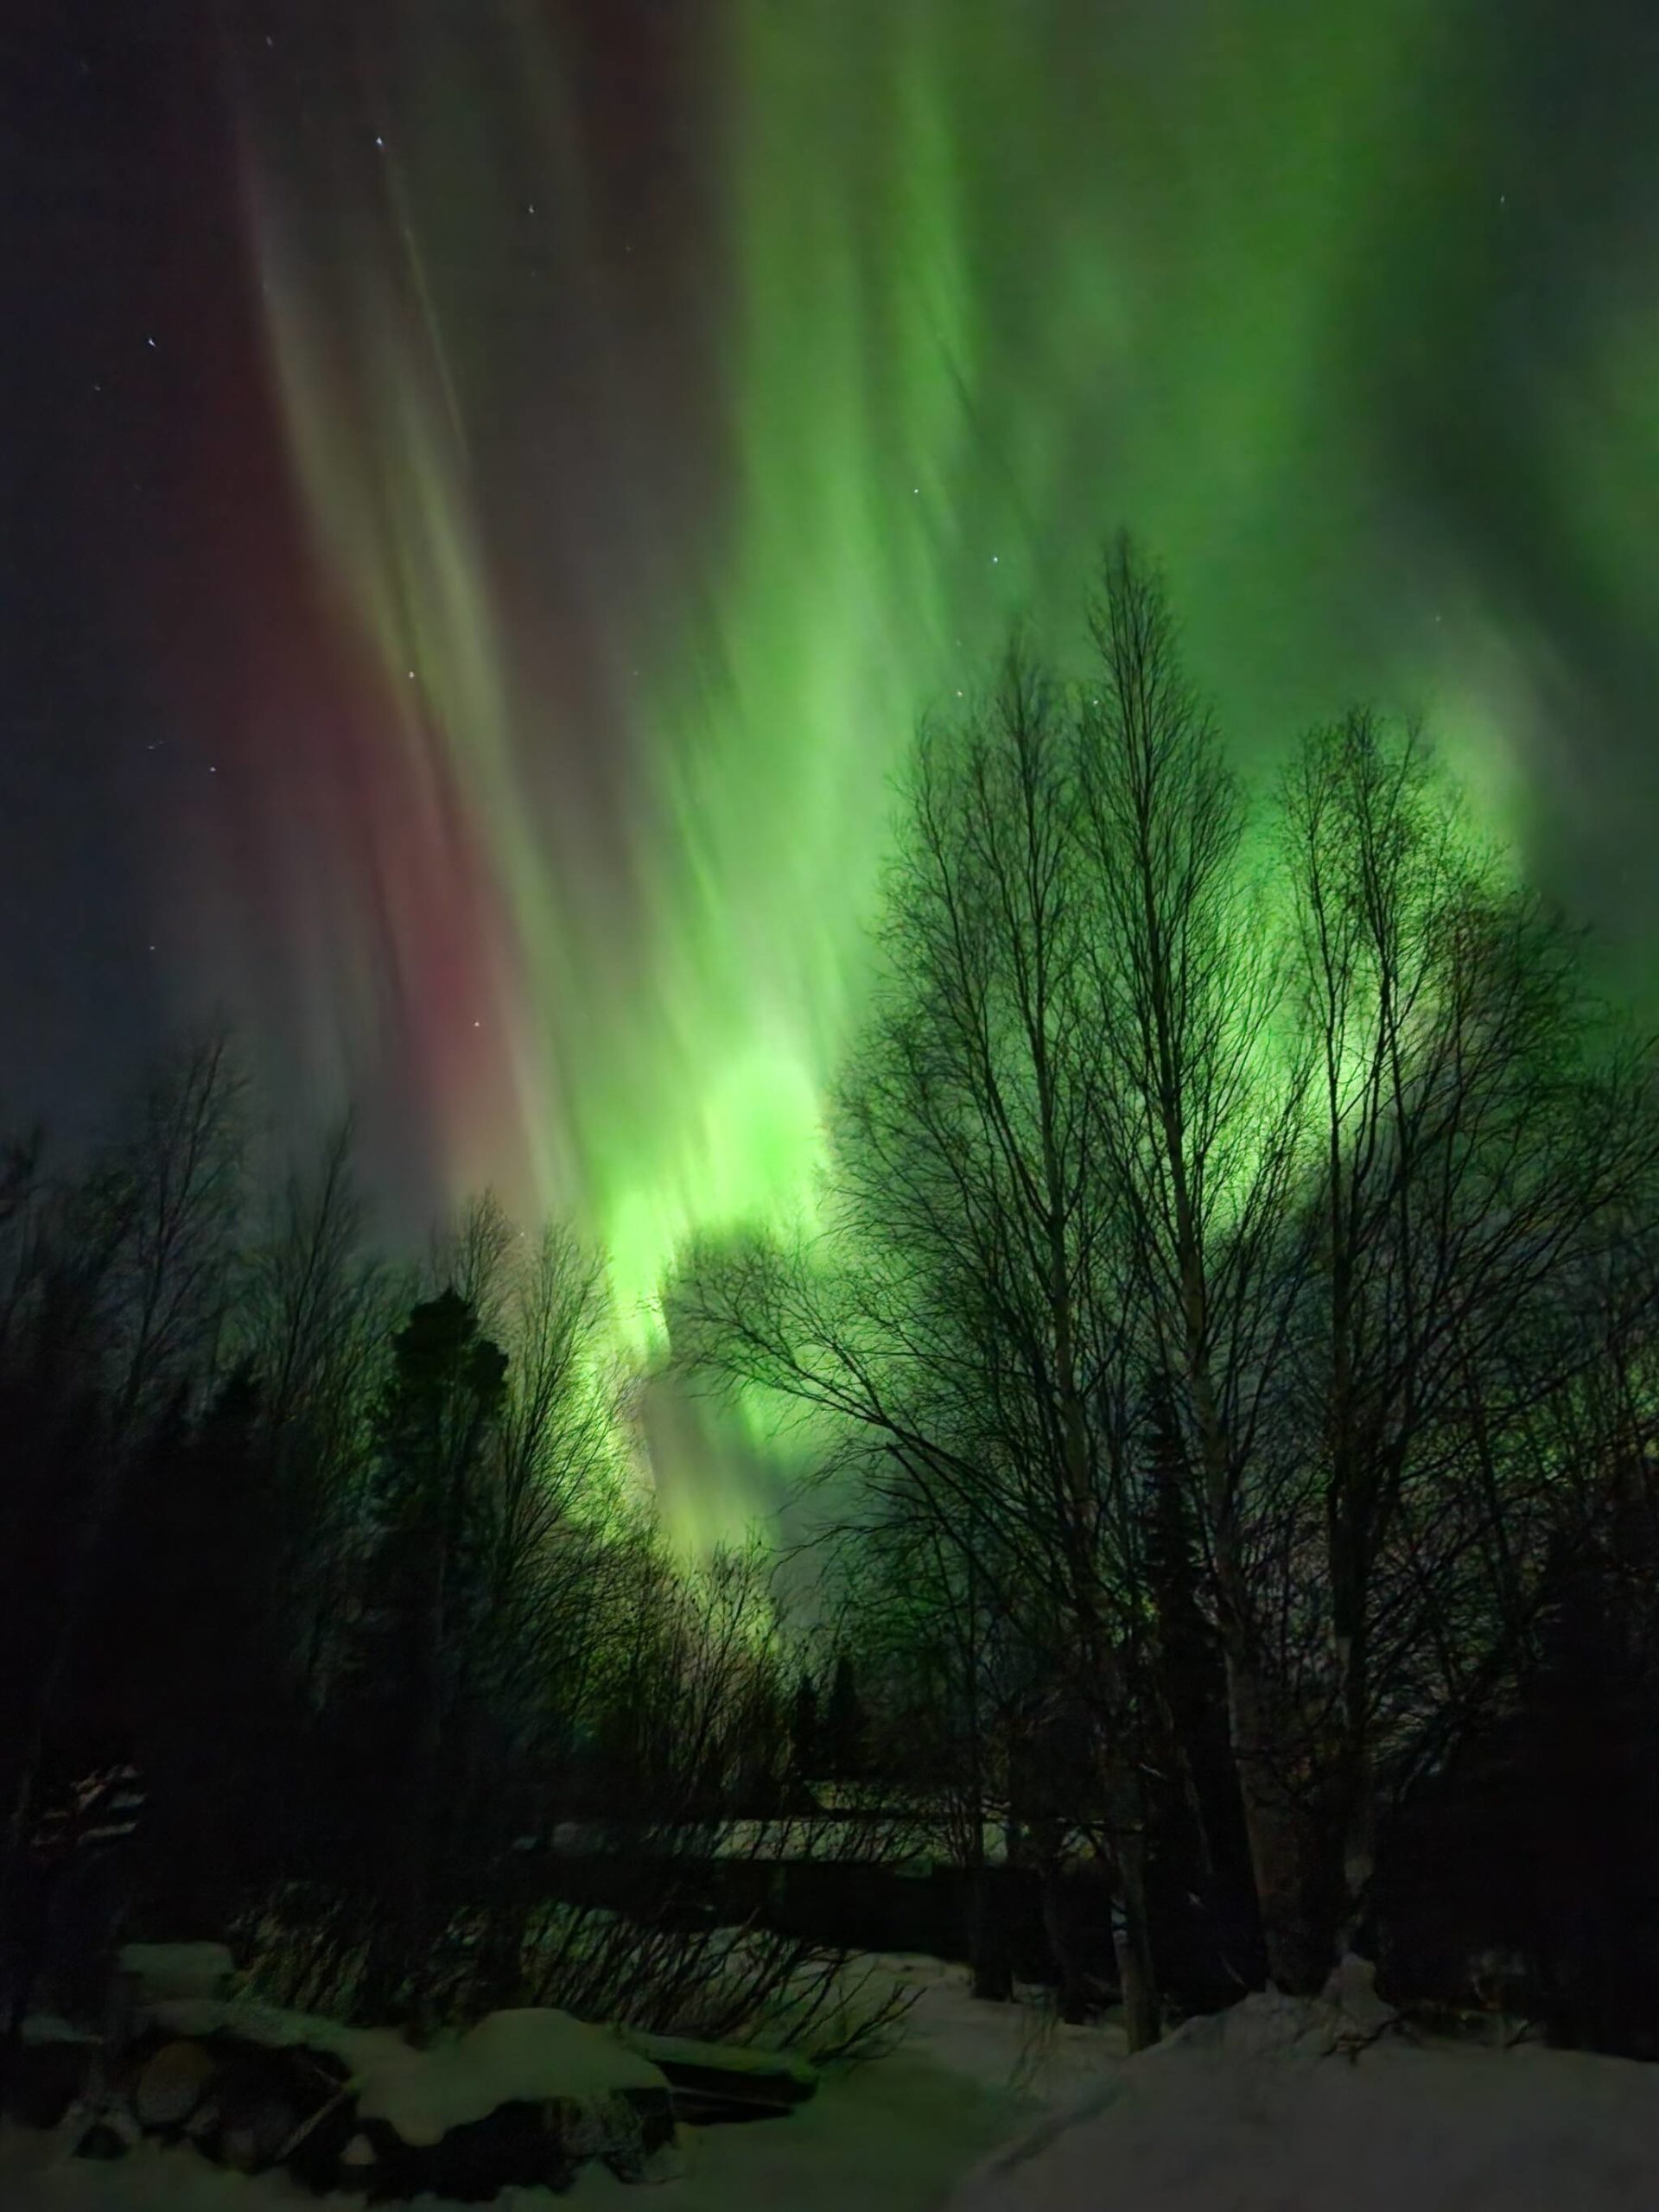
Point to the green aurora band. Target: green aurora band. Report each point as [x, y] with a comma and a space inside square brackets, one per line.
[661, 510]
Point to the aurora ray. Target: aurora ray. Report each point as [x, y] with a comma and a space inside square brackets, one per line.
[677, 412]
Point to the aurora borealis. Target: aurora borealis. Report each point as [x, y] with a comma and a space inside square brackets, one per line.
[578, 442]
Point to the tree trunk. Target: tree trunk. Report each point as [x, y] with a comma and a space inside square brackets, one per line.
[1069, 1967]
[988, 1951]
[1131, 1942]
[1298, 1949]
[1355, 1836]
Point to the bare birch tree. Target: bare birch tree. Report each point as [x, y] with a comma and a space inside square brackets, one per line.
[1204, 1131]
[1479, 1154]
[966, 1323]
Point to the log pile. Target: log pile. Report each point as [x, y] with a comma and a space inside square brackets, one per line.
[710, 2084]
[253, 2089]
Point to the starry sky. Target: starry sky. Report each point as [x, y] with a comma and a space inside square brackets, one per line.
[491, 484]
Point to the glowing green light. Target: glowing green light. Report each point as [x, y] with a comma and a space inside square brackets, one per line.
[979, 282]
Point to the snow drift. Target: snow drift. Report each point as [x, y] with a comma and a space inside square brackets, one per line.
[1288, 2106]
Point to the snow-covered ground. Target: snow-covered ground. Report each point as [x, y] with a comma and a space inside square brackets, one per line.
[1235, 2116]
[893, 2136]
[896, 2135]
[987, 2109]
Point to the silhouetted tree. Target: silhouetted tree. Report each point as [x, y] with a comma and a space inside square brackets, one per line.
[443, 1398]
[845, 1726]
[966, 1320]
[119, 1295]
[804, 1731]
[1477, 1139]
[1192, 1689]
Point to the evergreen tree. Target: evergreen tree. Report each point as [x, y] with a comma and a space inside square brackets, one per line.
[845, 1726]
[1589, 1811]
[444, 1397]
[190, 1620]
[804, 1744]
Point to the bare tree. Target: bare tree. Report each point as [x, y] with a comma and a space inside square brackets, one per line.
[314, 1322]
[1478, 1148]
[547, 1510]
[1320, 1150]
[948, 1683]
[176, 1183]
[1204, 1131]
[137, 1281]
[965, 1324]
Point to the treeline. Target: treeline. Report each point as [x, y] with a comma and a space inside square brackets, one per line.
[1232, 1305]
[347, 1560]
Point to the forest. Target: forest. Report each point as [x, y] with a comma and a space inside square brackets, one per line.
[1220, 1361]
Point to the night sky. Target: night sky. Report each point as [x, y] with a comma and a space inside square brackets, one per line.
[489, 488]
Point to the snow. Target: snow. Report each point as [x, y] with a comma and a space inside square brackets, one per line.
[993, 2109]
[37, 2175]
[893, 2136]
[271, 2024]
[527, 2054]
[734, 2058]
[890, 2137]
[1256, 2111]
[163, 1970]
[524, 2055]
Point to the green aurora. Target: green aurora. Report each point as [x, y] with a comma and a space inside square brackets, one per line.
[679, 412]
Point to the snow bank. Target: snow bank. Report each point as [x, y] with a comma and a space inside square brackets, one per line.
[1255, 2111]
[37, 2175]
